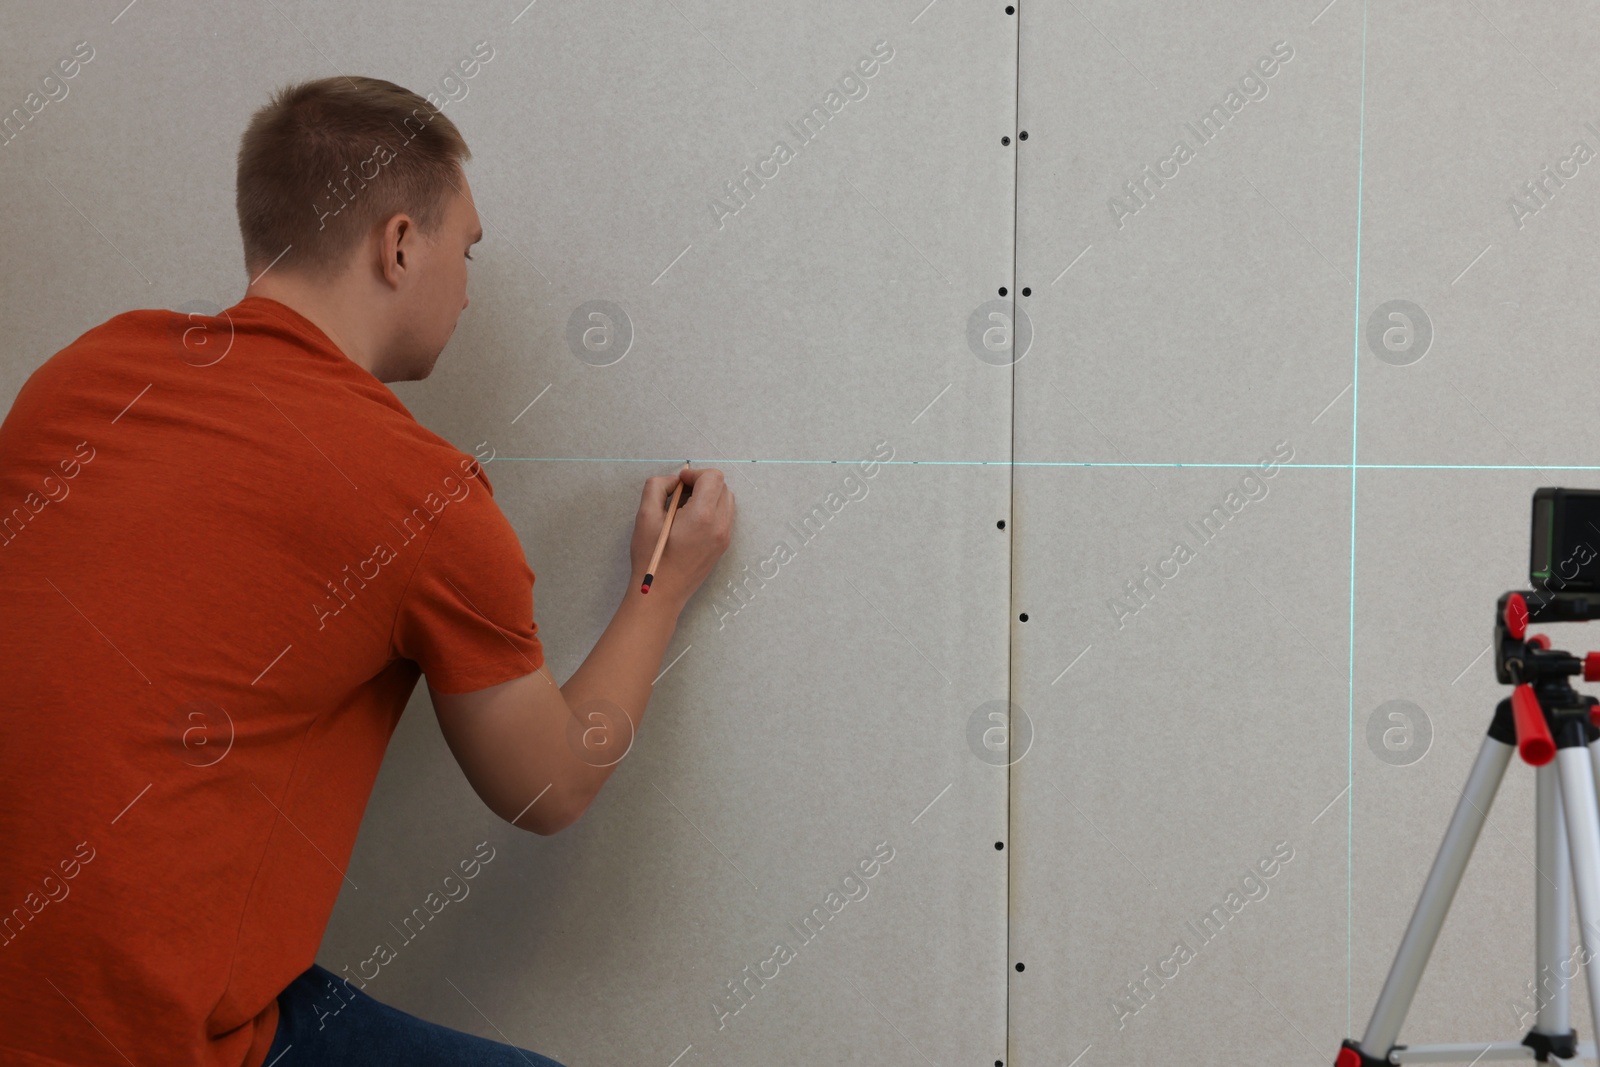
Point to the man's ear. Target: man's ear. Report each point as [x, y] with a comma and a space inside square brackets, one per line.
[399, 235]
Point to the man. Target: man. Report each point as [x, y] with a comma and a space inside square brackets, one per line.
[227, 552]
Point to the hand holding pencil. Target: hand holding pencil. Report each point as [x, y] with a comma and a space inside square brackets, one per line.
[661, 541]
[683, 526]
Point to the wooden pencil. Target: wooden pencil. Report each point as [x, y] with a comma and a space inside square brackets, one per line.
[661, 541]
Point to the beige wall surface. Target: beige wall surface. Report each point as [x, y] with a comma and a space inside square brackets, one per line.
[1341, 274]
[1294, 320]
[818, 319]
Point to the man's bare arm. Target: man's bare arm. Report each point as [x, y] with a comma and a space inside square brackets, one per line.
[534, 751]
[537, 754]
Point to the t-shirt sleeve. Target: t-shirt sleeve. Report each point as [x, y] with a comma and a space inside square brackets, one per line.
[466, 617]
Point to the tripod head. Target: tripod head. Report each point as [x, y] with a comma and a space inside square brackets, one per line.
[1544, 704]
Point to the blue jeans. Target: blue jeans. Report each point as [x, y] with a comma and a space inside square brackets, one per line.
[324, 1020]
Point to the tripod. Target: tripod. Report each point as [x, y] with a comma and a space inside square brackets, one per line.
[1545, 719]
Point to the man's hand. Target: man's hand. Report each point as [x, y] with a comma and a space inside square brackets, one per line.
[700, 533]
[515, 741]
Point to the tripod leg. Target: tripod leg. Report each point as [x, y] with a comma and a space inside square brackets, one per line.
[1552, 876]
[1582, 813]
[1438, 891]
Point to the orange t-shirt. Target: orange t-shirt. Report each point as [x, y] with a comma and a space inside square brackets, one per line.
[226, 554]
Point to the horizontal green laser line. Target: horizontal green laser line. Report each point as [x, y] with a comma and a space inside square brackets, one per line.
[1070, 463]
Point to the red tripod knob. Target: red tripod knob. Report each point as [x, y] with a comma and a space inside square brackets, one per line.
[1516, 615]
[1591, 667]
[1533, 733]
